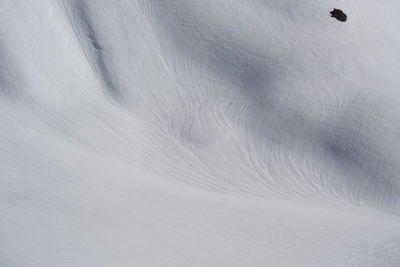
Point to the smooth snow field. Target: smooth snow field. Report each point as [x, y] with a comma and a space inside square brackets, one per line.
[138, 133]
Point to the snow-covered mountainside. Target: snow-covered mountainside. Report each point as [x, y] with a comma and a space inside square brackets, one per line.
[199, 133]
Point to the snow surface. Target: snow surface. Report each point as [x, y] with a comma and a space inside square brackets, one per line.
[199, 133]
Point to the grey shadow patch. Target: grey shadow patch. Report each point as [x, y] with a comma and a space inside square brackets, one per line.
[8, 76]
[230, 59]
[371, 175]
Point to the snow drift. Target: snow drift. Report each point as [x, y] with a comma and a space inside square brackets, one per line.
[199, 133]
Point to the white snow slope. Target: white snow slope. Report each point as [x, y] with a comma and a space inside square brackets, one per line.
[199, 133]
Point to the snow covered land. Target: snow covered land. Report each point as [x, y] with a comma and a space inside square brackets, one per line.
[259, 133]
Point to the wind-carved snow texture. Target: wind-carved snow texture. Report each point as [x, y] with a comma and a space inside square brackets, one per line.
[233, 60]
[199, 133]
[365, 170]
